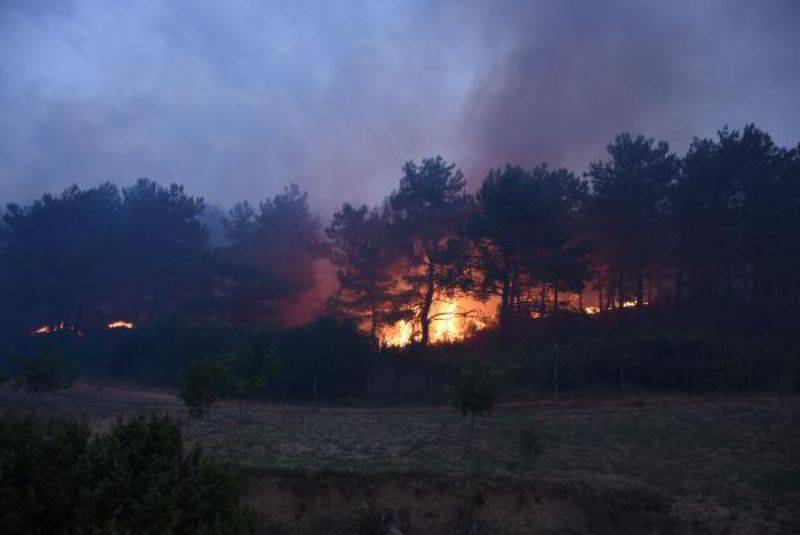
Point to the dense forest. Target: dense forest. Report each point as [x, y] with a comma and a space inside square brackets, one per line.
[645, 258]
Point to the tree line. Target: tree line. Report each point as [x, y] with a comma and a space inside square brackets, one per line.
[712, 233]
[715, 232]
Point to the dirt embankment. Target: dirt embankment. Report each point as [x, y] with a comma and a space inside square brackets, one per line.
[288, 502]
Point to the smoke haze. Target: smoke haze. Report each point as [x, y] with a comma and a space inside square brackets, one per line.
[237, 99]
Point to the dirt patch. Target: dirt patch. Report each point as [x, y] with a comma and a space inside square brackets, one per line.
[288, 502]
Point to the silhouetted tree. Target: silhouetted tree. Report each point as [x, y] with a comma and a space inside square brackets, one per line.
[480, 384]
[41, 373]
[366, 255]
[61, 261]
[737, 214]
[203, 383]
[628, 209]
[252, 368]
[271, 257]
[164, 248]
[429, 209]
[524, 230]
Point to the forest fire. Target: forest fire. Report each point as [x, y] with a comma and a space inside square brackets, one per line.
[452, 320]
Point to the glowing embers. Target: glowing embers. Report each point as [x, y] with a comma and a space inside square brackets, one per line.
[451, 320]
[119, 324]
[625, 304]
[47, 329]
[61, 326]
[54, 328]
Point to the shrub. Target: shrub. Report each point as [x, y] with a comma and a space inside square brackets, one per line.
[40, 474]
[478, 388]
[133, 479]
[202, 384]
[43, 373]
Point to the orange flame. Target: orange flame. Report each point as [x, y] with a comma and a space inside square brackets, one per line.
[60, 326]
[452, 320]
[625, 304]
[119, 324]
[47, 329]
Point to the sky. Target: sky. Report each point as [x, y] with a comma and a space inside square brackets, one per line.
[237, 99]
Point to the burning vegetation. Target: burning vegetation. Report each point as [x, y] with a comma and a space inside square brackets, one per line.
[452, 320]
[119, 324]
[714, 231]
[538, 281]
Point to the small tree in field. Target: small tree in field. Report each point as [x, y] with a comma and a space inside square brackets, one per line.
[251, 371]
[202, 384]
[479, 386]
[42, 373]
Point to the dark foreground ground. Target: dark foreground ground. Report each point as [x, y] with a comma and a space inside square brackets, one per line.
[652, 464]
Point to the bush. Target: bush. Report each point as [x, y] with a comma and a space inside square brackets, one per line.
[133, 479]
[203, 383]
[43, 373]
[325, 359]
[478, 388]
[40, 478]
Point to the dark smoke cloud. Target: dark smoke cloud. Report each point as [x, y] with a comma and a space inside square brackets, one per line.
[576, 73]
[236, 99]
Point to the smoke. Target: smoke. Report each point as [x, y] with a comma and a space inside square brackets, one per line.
[574, 74]
[237, 99]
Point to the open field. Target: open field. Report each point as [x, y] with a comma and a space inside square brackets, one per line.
[729, 464]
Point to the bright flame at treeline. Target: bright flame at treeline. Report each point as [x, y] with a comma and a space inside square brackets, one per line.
[120, 325]
[60, 326]
[452, 320]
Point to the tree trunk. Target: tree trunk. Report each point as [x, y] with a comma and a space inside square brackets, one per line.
[373, 330]
[424, 316]
[640, 286]
[600, 305]
[505, 305]
[505, 296]
[555, 298]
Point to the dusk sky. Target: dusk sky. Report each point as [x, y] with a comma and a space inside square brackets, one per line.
[236, 99]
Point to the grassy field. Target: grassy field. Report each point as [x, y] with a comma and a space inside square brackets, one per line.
[733, 461]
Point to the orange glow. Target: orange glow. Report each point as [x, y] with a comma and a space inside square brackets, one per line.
[452, 320]
[47, 329]
[120, 325]
[625, 304]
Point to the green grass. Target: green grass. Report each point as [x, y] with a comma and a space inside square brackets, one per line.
[738, 453]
